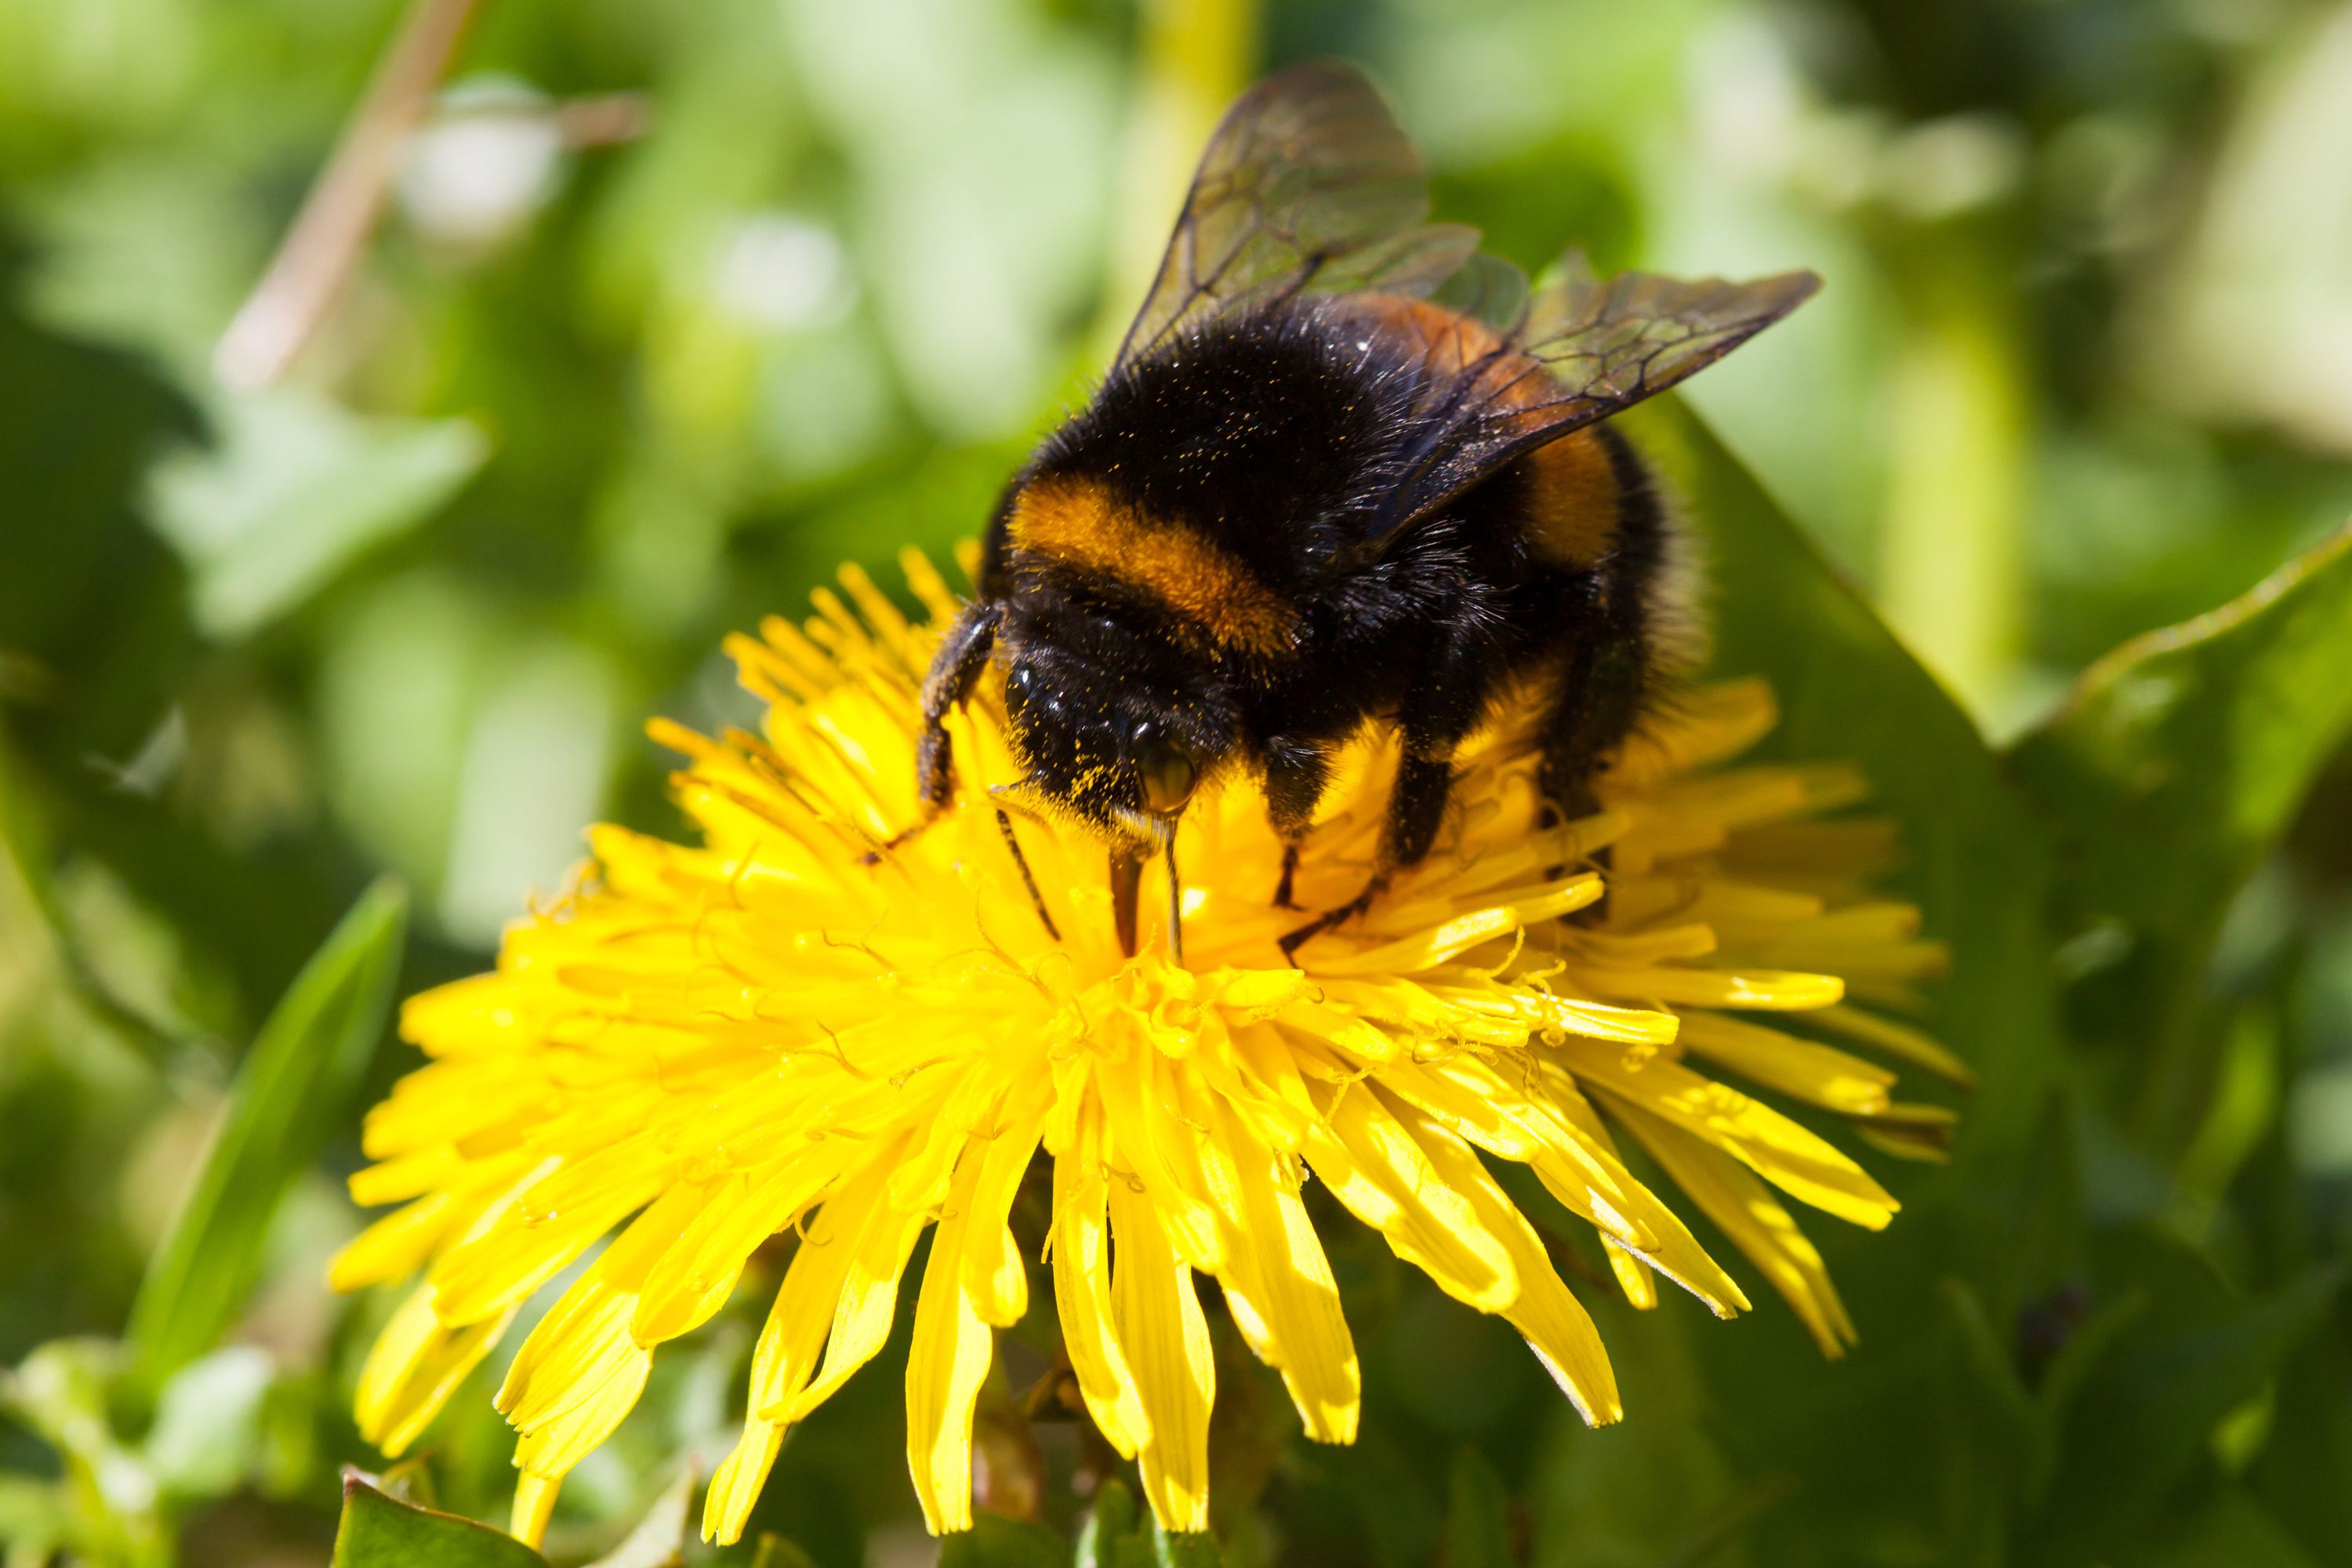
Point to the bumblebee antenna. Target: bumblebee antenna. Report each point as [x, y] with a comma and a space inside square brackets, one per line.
[1175, 904]
[1028, 878]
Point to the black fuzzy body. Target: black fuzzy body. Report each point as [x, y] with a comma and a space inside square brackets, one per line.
[1274, 437]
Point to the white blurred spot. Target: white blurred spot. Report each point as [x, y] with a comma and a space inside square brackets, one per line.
[1750, 106]
[2258, 320]
[902, 1545]
[824, 405]
[1756, 120]
[1949, 166]
[2319, 1122]
[155, 763]
[483, 166]
[394, 707]
[532, 780]
[204, 1432]
[979, 137]
[2231, 22]
[778, 270]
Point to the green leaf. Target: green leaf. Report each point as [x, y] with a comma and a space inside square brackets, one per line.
[659, 1539]
[2183, 1354]
[2157, 1411]
[2001, 1401]
[292, 1089]
[2174, 767]
[377, 1532]
[35, 1517]
[76, 425]
[2300, 1473]
[1658, 1489]
[1977, 861]
[2229, 1527]
[994, 1542]
[1108, 1538]
[297, 489]
[1794, 1440]
[775, 1552]
[1394, 1499]
[206, 1434]
[1172, 1549]
[62, 1392]
[769, 1550]
[1478, 1514]
[1113, 1536]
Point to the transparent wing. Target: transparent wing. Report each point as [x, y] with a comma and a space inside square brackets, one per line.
[1489, 290]
[1308, 185]
[1581, 350]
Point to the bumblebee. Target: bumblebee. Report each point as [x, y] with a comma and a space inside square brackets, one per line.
[1344, 470]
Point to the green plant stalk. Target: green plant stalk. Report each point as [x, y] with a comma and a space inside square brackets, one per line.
[1195, 58]
[1951, 573]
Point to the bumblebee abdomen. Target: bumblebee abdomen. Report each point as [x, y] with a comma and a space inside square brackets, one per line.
[1574, 499]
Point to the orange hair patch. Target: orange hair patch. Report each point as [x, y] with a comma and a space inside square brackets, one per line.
[1573, 501]
[1073, 519]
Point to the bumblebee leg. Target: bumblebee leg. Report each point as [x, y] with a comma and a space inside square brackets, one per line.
[1417, 807]
[955, 671]
[1600, 697]
[1126, 877]
[1291, 942]
[1443, 708]
[1296, 773]
[1282, 898]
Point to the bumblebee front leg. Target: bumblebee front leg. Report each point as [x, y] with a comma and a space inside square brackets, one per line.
[955, 671]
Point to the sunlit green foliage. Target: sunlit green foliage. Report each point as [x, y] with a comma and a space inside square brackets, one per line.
[675, 305]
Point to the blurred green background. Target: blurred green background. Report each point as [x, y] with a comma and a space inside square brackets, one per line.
[672, 305]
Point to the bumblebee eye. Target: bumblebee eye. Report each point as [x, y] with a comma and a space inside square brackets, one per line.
[1167, 772]
[1018, 684]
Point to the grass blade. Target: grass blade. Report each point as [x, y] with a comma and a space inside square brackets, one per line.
[292, 1089]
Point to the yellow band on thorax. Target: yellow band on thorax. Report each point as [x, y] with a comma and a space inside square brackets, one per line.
[1075, 521]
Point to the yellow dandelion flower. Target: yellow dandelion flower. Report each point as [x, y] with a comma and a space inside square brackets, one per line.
[787, 1028]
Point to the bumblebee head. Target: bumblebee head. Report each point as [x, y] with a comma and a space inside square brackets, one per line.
[1121, 755]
